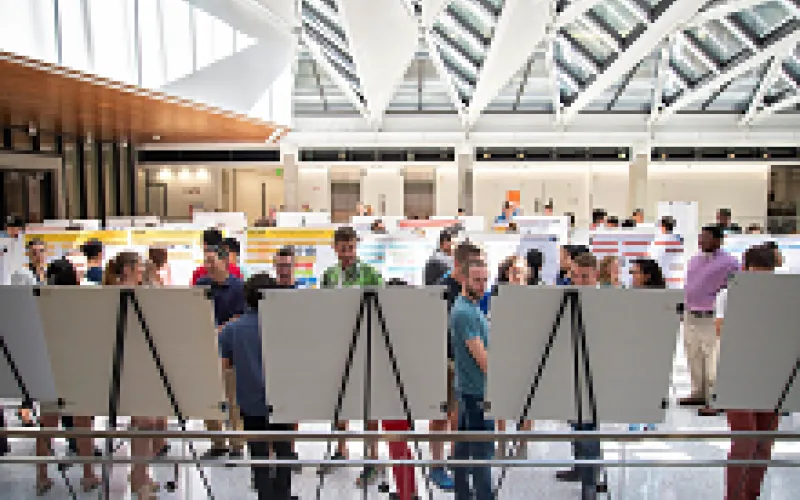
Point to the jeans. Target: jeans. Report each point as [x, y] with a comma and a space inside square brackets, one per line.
[272, 483]
[471, 418]
[586, 450]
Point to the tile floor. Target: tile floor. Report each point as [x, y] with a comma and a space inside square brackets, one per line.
[17, 482]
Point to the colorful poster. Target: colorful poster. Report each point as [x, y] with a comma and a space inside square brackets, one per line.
[184, 249]
[627, 245]
[312, 248]
[669, 252]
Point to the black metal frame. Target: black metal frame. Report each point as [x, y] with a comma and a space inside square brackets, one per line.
[101, 183]
[370, 302]
[128, 300]
[582, 372]
[80, 169]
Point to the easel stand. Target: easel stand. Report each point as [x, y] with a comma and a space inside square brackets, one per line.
[128, 301]
[582, 374]
[370, 303]
[27, 401]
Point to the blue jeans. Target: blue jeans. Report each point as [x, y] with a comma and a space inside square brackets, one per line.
[586, 450]
[471, 418]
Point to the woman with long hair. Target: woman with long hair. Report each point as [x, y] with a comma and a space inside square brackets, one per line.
[608, 272]
[127, 269]
[157, 270]
[62, 273]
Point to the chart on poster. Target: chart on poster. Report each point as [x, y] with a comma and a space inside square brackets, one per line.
[312, 249]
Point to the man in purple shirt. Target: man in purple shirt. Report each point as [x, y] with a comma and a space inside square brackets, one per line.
[706, 274]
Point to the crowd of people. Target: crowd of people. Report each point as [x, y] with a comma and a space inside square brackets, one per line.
[461, 268]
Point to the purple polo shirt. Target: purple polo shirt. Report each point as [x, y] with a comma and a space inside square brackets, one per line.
[706, 275]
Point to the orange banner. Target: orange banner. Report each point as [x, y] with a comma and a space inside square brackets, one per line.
[413, 224]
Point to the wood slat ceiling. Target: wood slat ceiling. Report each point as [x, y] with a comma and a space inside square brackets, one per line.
[67, 101]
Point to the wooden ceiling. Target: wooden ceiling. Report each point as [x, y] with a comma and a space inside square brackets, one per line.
[67, 101]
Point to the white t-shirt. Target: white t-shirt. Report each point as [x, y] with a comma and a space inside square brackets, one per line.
[721, 304]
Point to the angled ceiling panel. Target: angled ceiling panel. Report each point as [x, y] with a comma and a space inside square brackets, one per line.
[380, 65]
[245, 16]
[249, 72]
[283, 9]
[520, 29]
[431, 10]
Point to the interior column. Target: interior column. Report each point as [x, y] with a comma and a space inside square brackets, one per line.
[464, 165]
[290, 184]
[637, 184]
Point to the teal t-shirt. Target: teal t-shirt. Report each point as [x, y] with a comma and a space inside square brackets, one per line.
[467, 322]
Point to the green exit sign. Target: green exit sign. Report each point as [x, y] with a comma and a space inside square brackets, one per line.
[279, 172]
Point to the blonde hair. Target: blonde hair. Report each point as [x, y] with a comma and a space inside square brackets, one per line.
[604, 270]
[115, 269]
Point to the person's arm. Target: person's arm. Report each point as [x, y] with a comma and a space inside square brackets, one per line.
[468, 331]
[478, 352]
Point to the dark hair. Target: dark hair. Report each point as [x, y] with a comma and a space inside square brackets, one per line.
[716, 231]
[628, 223]
[725, 212]
[345, 233]
[653, 277]
[638, 211]
[158, 256]
[35, 242]
[212, 237]
[253, 287]
[506, 205]
[465, 251]
[92, 249]
[232, 244]
[397, 282]
[612, 221]
[575, 250]
[15, 221]
[598, 215]
[460, 210]
[503, 270]
[760, 256]
[535, 260]
[285, 251]
[445, 236]
[585, 260]
[668, 223]
[62, 272]
[117, 265]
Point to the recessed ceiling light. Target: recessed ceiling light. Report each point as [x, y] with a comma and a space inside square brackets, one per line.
[156, 137]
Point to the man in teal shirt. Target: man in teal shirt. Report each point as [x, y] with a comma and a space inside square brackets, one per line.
[348, 273]
[469, 332]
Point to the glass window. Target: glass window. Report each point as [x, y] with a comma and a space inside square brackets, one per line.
[617, 16]
[717, 41]
[178, 42]
[74, 53]
[213, 39]
[28, 28]
[152, 57]
[594, 44]
[686, 62]
[765, 18]
[113, 39]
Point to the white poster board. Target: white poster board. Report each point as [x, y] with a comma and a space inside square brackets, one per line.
[687, 222]
[626, 244]
[363, 223]
[497, 248]
[303, 219]
[759, 344]
[544, 224]
[476, 223]
[233, 221]
[548, 245]
[670, 254]
[293, 320]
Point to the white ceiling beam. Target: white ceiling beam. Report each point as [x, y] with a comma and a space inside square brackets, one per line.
[778, 49]
[637, 11]
[661, 81]
[720, 11]
[763, 86]
[445, 77]
[343, 84]
[552, 78]
[786, 103]
[431, 10]
[676, 13]
[575, 10]
[792, 7]
[381, 66]
[246, 16]
[520, 29]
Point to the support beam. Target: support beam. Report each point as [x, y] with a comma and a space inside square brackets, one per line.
[574, 10]
[661, 80]
[673, 16]
[623, 85]
[723, 10]
[767, 79]
[248, 16]
[778, 48]
[784, 104]
[552, 79]
[446, 79]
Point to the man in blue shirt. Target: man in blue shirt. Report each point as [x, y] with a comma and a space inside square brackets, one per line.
[93, 250]
[227, 292]
[240, 348]
[470, 338]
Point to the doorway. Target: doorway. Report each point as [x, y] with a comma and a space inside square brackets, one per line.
[29, 194]
[344, 199]
[419, 199]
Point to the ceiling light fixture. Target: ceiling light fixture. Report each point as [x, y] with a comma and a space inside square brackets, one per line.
[165, 174]
[184, 174]
[156, 137]
[201, 174]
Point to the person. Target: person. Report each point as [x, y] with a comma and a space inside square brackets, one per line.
[628, 224]
[469, 329]
[229, 302]
[506, 215]
[598, 219]
[584, 273]
[378, 227]
[351, 272]
[608, 272]
[548, 209]
[568, 254]
[744, 482]
[440, 264]
[646, 273]
[14, 227]
[81, 264]
[612, 222]
[452, 282]
[754, 229]
[638, 216]
[535, 260]
[234, 257]
[160, 273]
[240, 349]
[212, 238]
[93, 250]
[724, 220]
[706, 274]
[461, 212]
[61, 273]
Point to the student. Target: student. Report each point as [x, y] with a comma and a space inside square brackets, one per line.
[612, 222]
[347, 273]
[234, 257]
[34, 273]
[724, 220]
[159, 270]
[507, 214]
[470, 335]
[14, 227]
[440, 264]
[229, 302]
[212, 238]
[598, 219]
[535, 260]
[638, 216]
[584, 273]
[548, 209]
[706, 274]
[744, 482]
[93, 250]
[240, 349]
[62, 273]
[608, 272]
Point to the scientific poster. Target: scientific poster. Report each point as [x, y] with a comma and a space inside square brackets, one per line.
[184, 249]
[312, 248]
[627, 245]
[548, 245]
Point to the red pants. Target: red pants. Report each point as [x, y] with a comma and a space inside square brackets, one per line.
[744, 482]
[398, 450]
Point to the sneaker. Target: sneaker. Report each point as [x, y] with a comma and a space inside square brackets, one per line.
[214, 453]
[442, 479]
[368, 476]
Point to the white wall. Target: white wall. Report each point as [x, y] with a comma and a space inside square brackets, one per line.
[609, 189]
[314, 188]
[248, 191]
[742, 187]
[186, 187]
[446, 190]
[380, 182]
